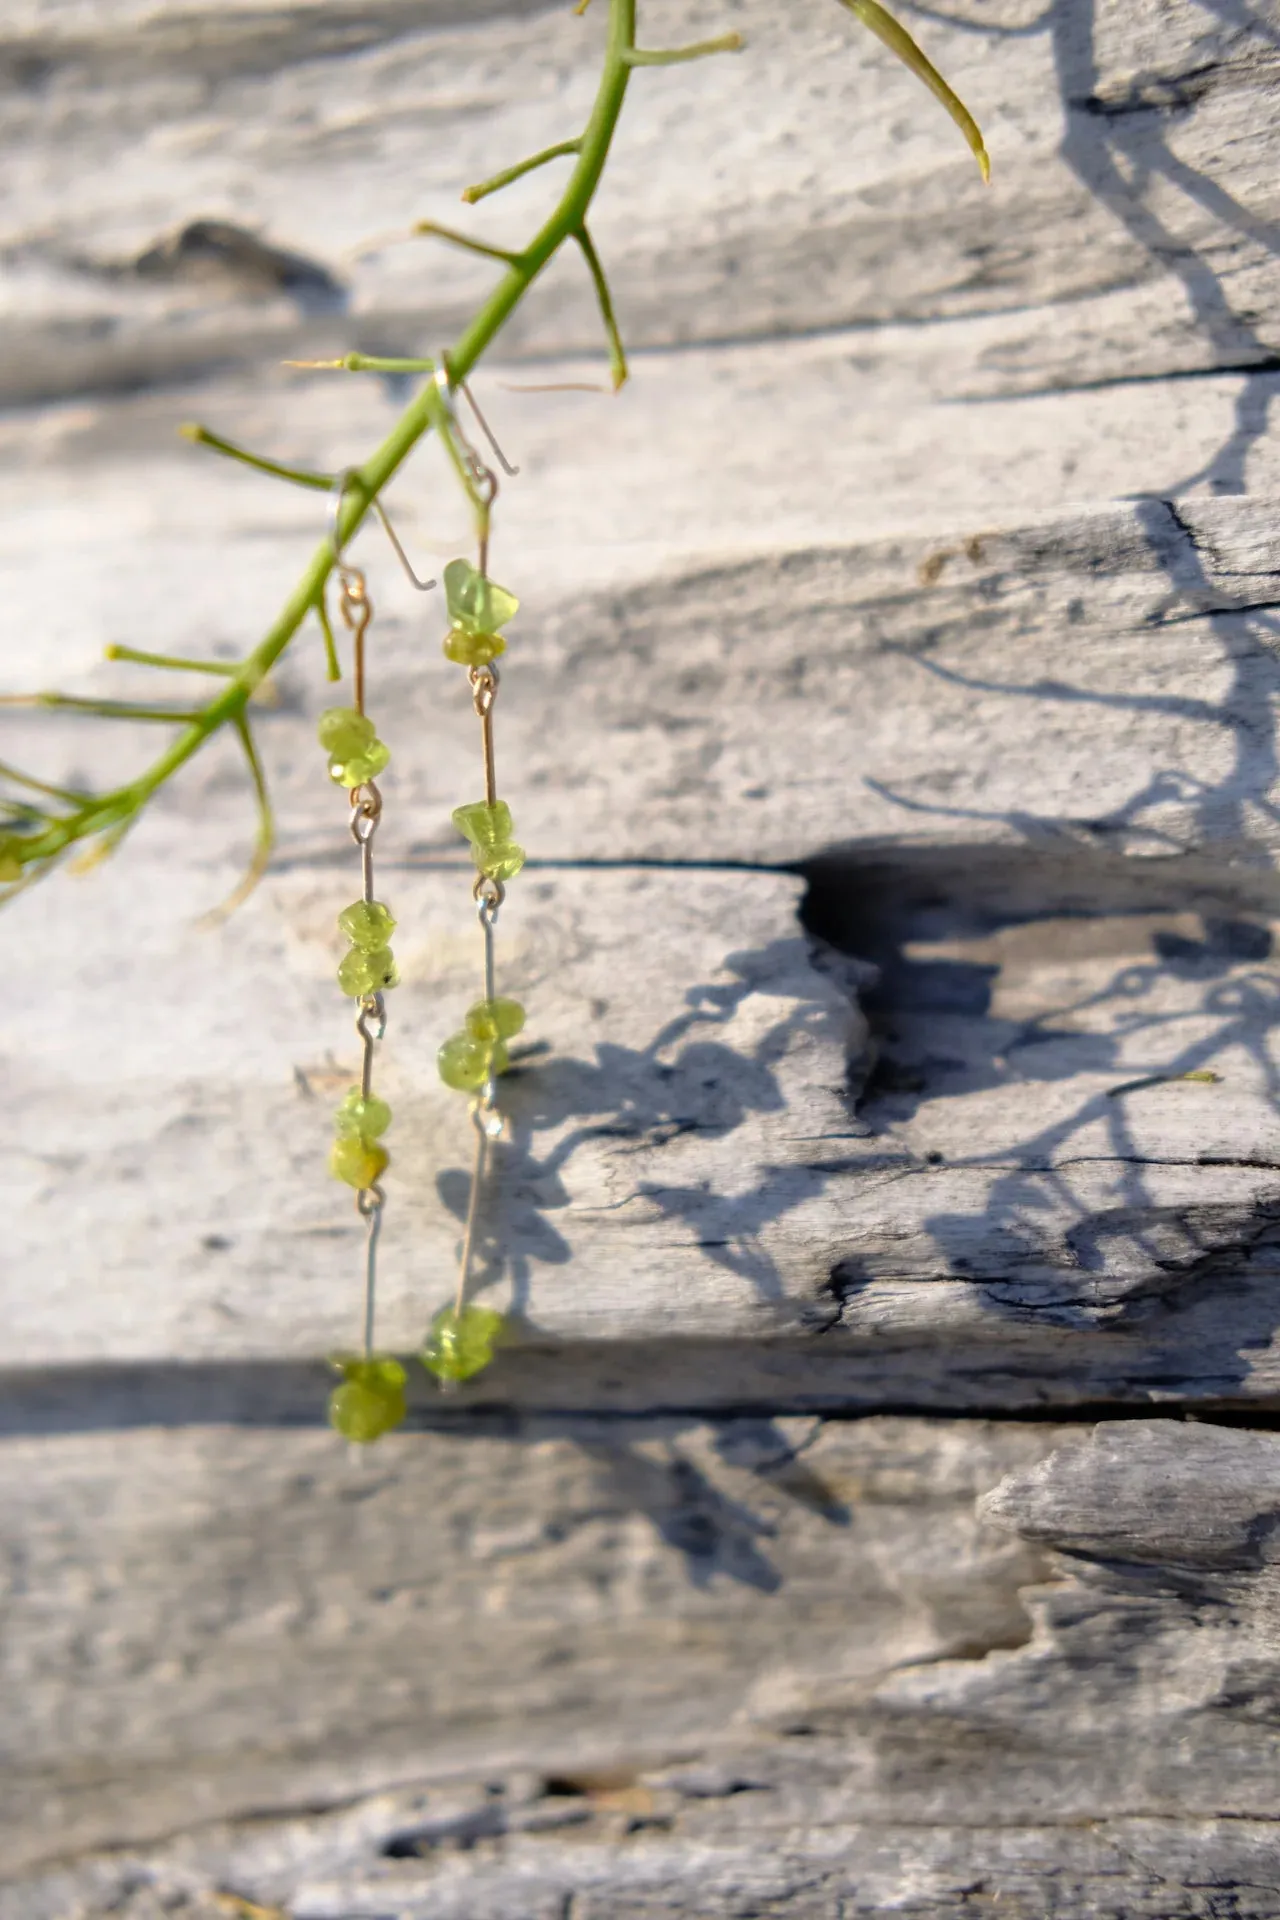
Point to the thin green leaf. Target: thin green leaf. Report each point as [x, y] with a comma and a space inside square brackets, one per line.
[899, 41]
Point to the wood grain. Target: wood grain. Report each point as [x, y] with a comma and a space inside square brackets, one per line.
[891, 718]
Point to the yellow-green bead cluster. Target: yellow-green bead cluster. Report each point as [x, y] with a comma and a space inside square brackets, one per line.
[468, 1060]
[368, 966]
[355, 752]
[370, 1401]
[360, 1163]
[460, 1345]
[358, 1156]
[361, 1116]
[478, 607]
[488, 825]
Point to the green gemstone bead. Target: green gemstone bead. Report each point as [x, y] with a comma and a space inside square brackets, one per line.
[367, 924]
[343, 732]
[361, 1163]
[472, 649]
[484, 823]
[501, 863]
[366, 764]
[370, 1402]
[463, 1062]
[476, 603]
[456, 1348]
[361, 1118]
[495, 1019]
[10, 866]
[488, 826]
[361, 972]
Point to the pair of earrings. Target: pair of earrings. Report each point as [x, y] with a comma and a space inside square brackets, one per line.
[370, 1400]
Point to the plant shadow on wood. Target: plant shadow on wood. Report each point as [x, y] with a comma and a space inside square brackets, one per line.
[688, 1080]
[1118, 141]
[1162, 970]
[1170, 954]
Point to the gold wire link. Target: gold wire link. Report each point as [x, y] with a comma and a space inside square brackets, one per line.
[484, 691]
[356, 609]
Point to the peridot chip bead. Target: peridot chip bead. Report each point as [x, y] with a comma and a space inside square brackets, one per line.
[367, 924]
[459, 1346]
[500, 863]
[359, 1162]
[463, 1062]
[370, 1402]
[364, 972]
[476, 603]
[472, 649]
[488, 826]
[495, 1019]
[366, 764]
[10, 865]
[343, 732]
[361, 1116]
[484, 822]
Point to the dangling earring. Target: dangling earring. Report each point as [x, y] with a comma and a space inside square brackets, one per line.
[370, 1401]
[461, 1339]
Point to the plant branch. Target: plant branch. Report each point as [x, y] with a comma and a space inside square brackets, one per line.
[32, 847]
[40, 786]
[466, 241]
[177, 662]
[332, 665]
[504, 179]
[673, 56]
[320, 482]
[882, 23]
[101, 709]
[266, 834]
[112, 812]
[617, 353]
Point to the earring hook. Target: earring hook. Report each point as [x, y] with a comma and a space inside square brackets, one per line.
[487, 431]
[482, 475]
[339, 494]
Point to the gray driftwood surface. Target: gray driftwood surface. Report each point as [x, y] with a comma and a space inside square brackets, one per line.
[873, 1511]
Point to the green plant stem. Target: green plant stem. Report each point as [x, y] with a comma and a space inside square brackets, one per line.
[102, 709]
[319, 482]
[108, 816]
[332, 665]
[504, 179]
[617, 352]
[564, 223]
[176, 662]
[674, 56]
[466, 241]
[41, 786]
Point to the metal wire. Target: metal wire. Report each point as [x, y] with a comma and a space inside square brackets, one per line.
[370, 1202]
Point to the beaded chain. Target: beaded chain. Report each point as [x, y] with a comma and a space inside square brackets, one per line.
[370, 1400]
[461, 1338]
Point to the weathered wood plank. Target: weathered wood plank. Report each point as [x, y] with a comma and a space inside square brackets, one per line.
[204, 1624]
[1130, 229]
[842, 585]
[688, 1213]
[887, 1714]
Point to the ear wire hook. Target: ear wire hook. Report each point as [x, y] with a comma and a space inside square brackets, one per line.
[447, 387]
[340, 485]
[487, 431]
